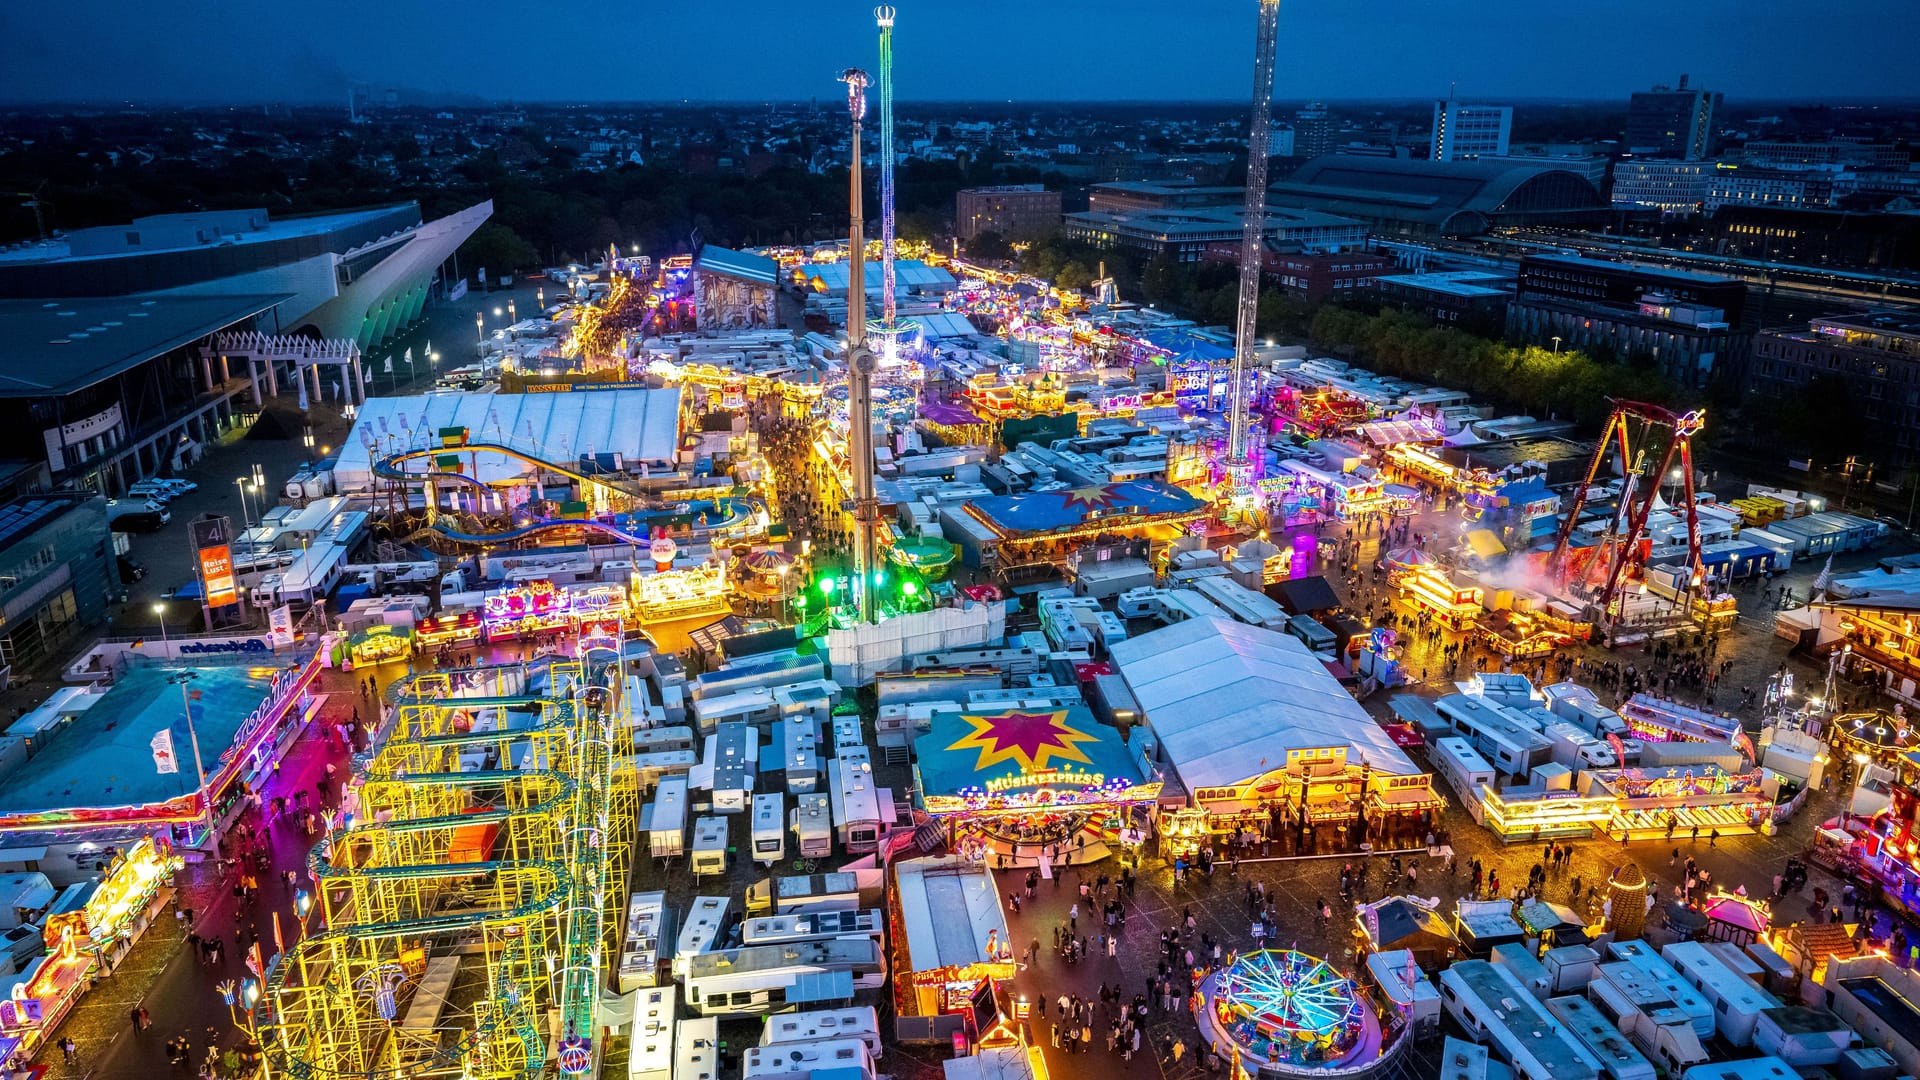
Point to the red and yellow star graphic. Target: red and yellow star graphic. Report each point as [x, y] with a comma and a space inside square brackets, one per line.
[1032, 740]
[1096, 497]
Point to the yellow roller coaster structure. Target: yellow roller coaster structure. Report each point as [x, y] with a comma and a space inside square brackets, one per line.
[466, 890]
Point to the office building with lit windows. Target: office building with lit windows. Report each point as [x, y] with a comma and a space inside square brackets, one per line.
[1663, 184]
[1463, 132]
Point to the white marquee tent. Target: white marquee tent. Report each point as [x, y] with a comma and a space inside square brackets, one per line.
[1229, 700]
[643, 426]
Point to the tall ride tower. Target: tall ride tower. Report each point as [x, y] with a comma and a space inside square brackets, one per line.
[860, 365]
[883, 15]
[1240, 451]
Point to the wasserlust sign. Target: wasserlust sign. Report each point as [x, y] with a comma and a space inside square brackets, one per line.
[242, 645]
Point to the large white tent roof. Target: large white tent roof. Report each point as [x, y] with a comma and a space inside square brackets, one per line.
[639, 424]
[1229, 700]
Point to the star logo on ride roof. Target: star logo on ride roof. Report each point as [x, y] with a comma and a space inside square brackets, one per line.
[1096, 497]
[1033, 740]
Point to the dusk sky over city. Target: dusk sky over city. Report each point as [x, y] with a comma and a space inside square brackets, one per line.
[237, 51]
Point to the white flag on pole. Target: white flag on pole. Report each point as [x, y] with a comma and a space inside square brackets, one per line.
[164, 760]
[1821, 581]
[389, 365]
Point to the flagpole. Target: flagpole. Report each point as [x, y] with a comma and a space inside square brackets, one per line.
[181, 679]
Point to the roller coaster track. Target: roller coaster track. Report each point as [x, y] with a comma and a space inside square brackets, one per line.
[563, 894]
[390, 467]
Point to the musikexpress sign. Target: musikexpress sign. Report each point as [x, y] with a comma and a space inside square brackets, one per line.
[209, 648]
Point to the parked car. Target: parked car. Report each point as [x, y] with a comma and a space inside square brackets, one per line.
[117, 508]
[139, 521]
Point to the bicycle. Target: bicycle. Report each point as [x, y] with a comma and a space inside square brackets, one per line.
[805, 866]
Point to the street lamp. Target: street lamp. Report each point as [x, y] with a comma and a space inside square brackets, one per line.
[1556, 344]
[248, 995]
[245, 518]
[160, 612]
[480, 325]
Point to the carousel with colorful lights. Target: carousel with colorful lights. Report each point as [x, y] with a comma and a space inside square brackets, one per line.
[1285, 1009]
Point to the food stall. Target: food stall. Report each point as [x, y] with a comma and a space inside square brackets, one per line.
[679, 594]
[1736, 917]
[950, 944]
[378, 644]
[122, 906]
[1344, 495]
[1427, 588]
[1654, 804]
[40, 1001]
[1541, 815]
[1521, 634]
[450, 628]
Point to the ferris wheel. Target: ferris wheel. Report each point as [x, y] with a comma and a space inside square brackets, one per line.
[1287, 992]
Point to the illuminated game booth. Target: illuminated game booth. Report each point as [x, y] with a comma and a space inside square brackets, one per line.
[1013, 783]
[1282, 1011]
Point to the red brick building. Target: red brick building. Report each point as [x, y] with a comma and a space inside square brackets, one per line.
[1314, 275]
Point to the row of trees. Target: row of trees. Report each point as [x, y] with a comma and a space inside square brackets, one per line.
[1541, 381]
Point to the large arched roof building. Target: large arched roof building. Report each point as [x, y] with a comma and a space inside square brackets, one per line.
[1420, 198]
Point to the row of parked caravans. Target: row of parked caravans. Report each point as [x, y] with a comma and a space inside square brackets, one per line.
[852, 809]
[667, 1048]
[814, 944]
[1490, 739]
[1644, 1013]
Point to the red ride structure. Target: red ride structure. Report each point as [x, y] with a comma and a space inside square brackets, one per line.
[1636, 425]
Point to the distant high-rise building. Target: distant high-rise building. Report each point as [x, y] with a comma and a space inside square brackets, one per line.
[1314, 131]
[1672, 123]
[1462, 132]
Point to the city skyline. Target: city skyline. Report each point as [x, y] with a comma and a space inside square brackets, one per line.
[1127, 51]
